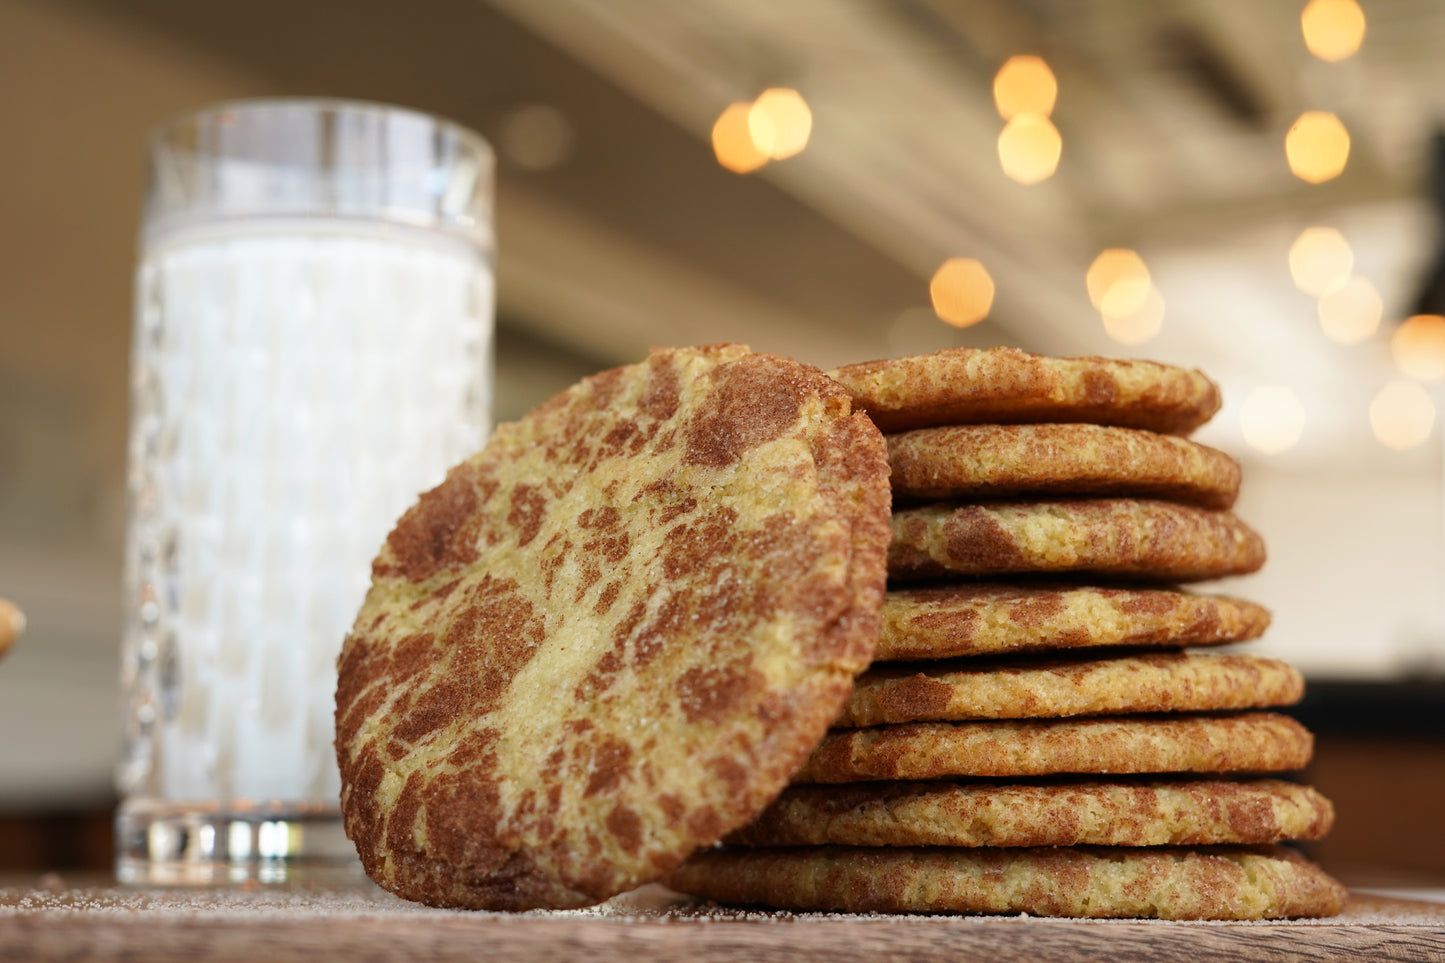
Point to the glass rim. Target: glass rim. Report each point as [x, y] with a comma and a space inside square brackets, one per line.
[161, 135]
[318, 157]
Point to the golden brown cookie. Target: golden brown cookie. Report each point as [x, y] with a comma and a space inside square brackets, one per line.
[1248, 742]
[988, 618]
[1199, 812]
[1225, 883]
[612, 635]
[1069, 686]
[1137, 538]
[1007, 461]
[969, 386]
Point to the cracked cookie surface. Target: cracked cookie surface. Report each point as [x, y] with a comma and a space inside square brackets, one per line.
[611, 635]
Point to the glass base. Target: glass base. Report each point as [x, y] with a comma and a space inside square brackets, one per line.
[213, 844]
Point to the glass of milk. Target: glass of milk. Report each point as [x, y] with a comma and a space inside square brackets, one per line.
[312, 349]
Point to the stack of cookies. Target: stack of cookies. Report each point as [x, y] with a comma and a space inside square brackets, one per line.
[1040, 731]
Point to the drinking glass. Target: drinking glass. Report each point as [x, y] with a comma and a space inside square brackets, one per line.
[312, 349]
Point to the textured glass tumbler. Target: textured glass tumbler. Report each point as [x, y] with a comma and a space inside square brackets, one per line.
[312, 349]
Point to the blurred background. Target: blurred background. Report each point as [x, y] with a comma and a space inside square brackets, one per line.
[1225, 184]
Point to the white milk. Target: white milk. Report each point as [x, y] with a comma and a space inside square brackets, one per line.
[295, 388]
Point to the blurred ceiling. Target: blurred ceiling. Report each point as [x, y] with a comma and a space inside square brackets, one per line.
[1172, 116]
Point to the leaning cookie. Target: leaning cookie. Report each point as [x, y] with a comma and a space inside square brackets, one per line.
[612, 635]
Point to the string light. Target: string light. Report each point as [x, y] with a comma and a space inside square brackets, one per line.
[1319, 259]
[1402, 415]
[962, 292]
[1111, 268]
[732, 140]
[1029, 147]
[780, 122]
[1333, 29]
[1350, 311]
[1317, 146]
[1272, 419]
[1024, 85]
[1125, 296]
[1418, 347]
[1142, 321]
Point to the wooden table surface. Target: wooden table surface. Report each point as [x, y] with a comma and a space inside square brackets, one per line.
[349, 919]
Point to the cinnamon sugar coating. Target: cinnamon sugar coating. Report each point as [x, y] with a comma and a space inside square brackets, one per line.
[1007, 461]
[966, 386]
[1069, 686]
[1118, 537]
[986, 618]
[1244, 742]
[1093, 812]
[1223, 883]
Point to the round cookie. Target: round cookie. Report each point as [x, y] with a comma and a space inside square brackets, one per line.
[987, 618]
[1076, 686]
[1225, 883]
[1007, 461]
[1137, 538]
[612, 635]
[961, 386]
[1202, 812]
[1248, 742]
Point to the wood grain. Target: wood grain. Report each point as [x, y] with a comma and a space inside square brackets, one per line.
[357, 924]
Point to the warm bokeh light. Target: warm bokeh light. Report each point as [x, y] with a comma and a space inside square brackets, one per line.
[962, 292]
[1317, 146]
[1273, 419]
[1029, 147]
[1402, 415]
[536, 137]
[1024, 85]
[780, 122]
[1112, 267]
[1125, 296]
[732, 141]
[1350, 311]
[1418, 347]
[1333, 29]
[1142, 321]
[1319, 259]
